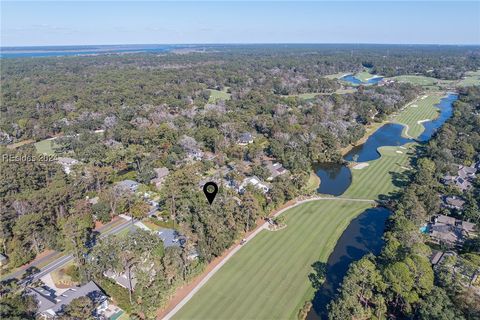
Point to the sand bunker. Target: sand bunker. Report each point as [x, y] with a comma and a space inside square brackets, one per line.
[398, 151]
[402, 147]
[359, 166]
[414, 106]
[424, 97]
[422, 121]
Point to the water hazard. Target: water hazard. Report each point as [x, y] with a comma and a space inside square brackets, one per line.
[354, 80]
[336, 178]
[363, 235]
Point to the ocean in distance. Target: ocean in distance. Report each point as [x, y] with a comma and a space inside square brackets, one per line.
[60, 51]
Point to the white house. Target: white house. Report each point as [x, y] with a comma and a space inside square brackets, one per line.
[256, 182]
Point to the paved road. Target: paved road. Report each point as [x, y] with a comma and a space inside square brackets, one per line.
[187, 298]
[64, 259]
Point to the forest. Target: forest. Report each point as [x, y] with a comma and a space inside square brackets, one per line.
[123, 116]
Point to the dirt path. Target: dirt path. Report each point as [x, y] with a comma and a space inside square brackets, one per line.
[184, 294]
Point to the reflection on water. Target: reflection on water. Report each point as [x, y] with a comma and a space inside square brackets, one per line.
[363, 235]
[335, 178]
[389, 134]
[446, 111]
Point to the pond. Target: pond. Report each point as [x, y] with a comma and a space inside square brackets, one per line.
[446, 111]
[363, 235]
[336, 178]
[354, 80]
[389, 134]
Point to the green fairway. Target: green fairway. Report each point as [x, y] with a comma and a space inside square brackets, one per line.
[382, 176]
[268, 277]
[416, 112]
[217, 95]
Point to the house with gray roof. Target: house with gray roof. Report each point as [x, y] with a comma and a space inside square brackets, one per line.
[450, 231]
[51, 304]
[3, 260]
[128, 185]
[275, 169]
[121, 278]
[161, 175]
[453, 202]
[171, 238]
[464, 178]
[245, 139]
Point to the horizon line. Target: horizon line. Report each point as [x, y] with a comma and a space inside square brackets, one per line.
[241, 43]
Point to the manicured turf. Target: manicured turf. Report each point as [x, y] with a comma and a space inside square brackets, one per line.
[382, 177]
[425, 109]
[268, 278]
[216, 95]
[417, 80]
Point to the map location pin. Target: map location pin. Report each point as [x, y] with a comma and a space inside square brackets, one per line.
[210, 189]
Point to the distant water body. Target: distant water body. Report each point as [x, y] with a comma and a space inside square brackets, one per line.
[62, 51]
[354, 80]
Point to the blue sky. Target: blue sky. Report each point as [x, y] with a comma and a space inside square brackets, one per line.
[123, 22]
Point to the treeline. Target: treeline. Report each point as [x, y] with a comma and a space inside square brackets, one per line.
[400, 282]
[42, 96]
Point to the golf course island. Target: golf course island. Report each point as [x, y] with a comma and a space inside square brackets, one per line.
[258, 282]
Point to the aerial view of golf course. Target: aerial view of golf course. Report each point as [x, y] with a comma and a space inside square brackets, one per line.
[257, 281]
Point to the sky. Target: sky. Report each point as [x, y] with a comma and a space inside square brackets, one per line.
[41, 23]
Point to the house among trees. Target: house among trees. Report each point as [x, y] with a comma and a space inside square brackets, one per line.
[3, 260]
[245, 139]
[464, 178]
[161, 174]
[171, 238]
[121, 278]
[453, 202]
[256, 182]
[275, 169]
[67, 163]
[128, 185]
[52, 304]
[449, 231]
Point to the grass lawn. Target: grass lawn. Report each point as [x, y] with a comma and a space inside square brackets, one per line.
[45, 147]
[61, 278]
[268, 278]
[216, 95]
[312, 183]
[382, 176]
[421, 109]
